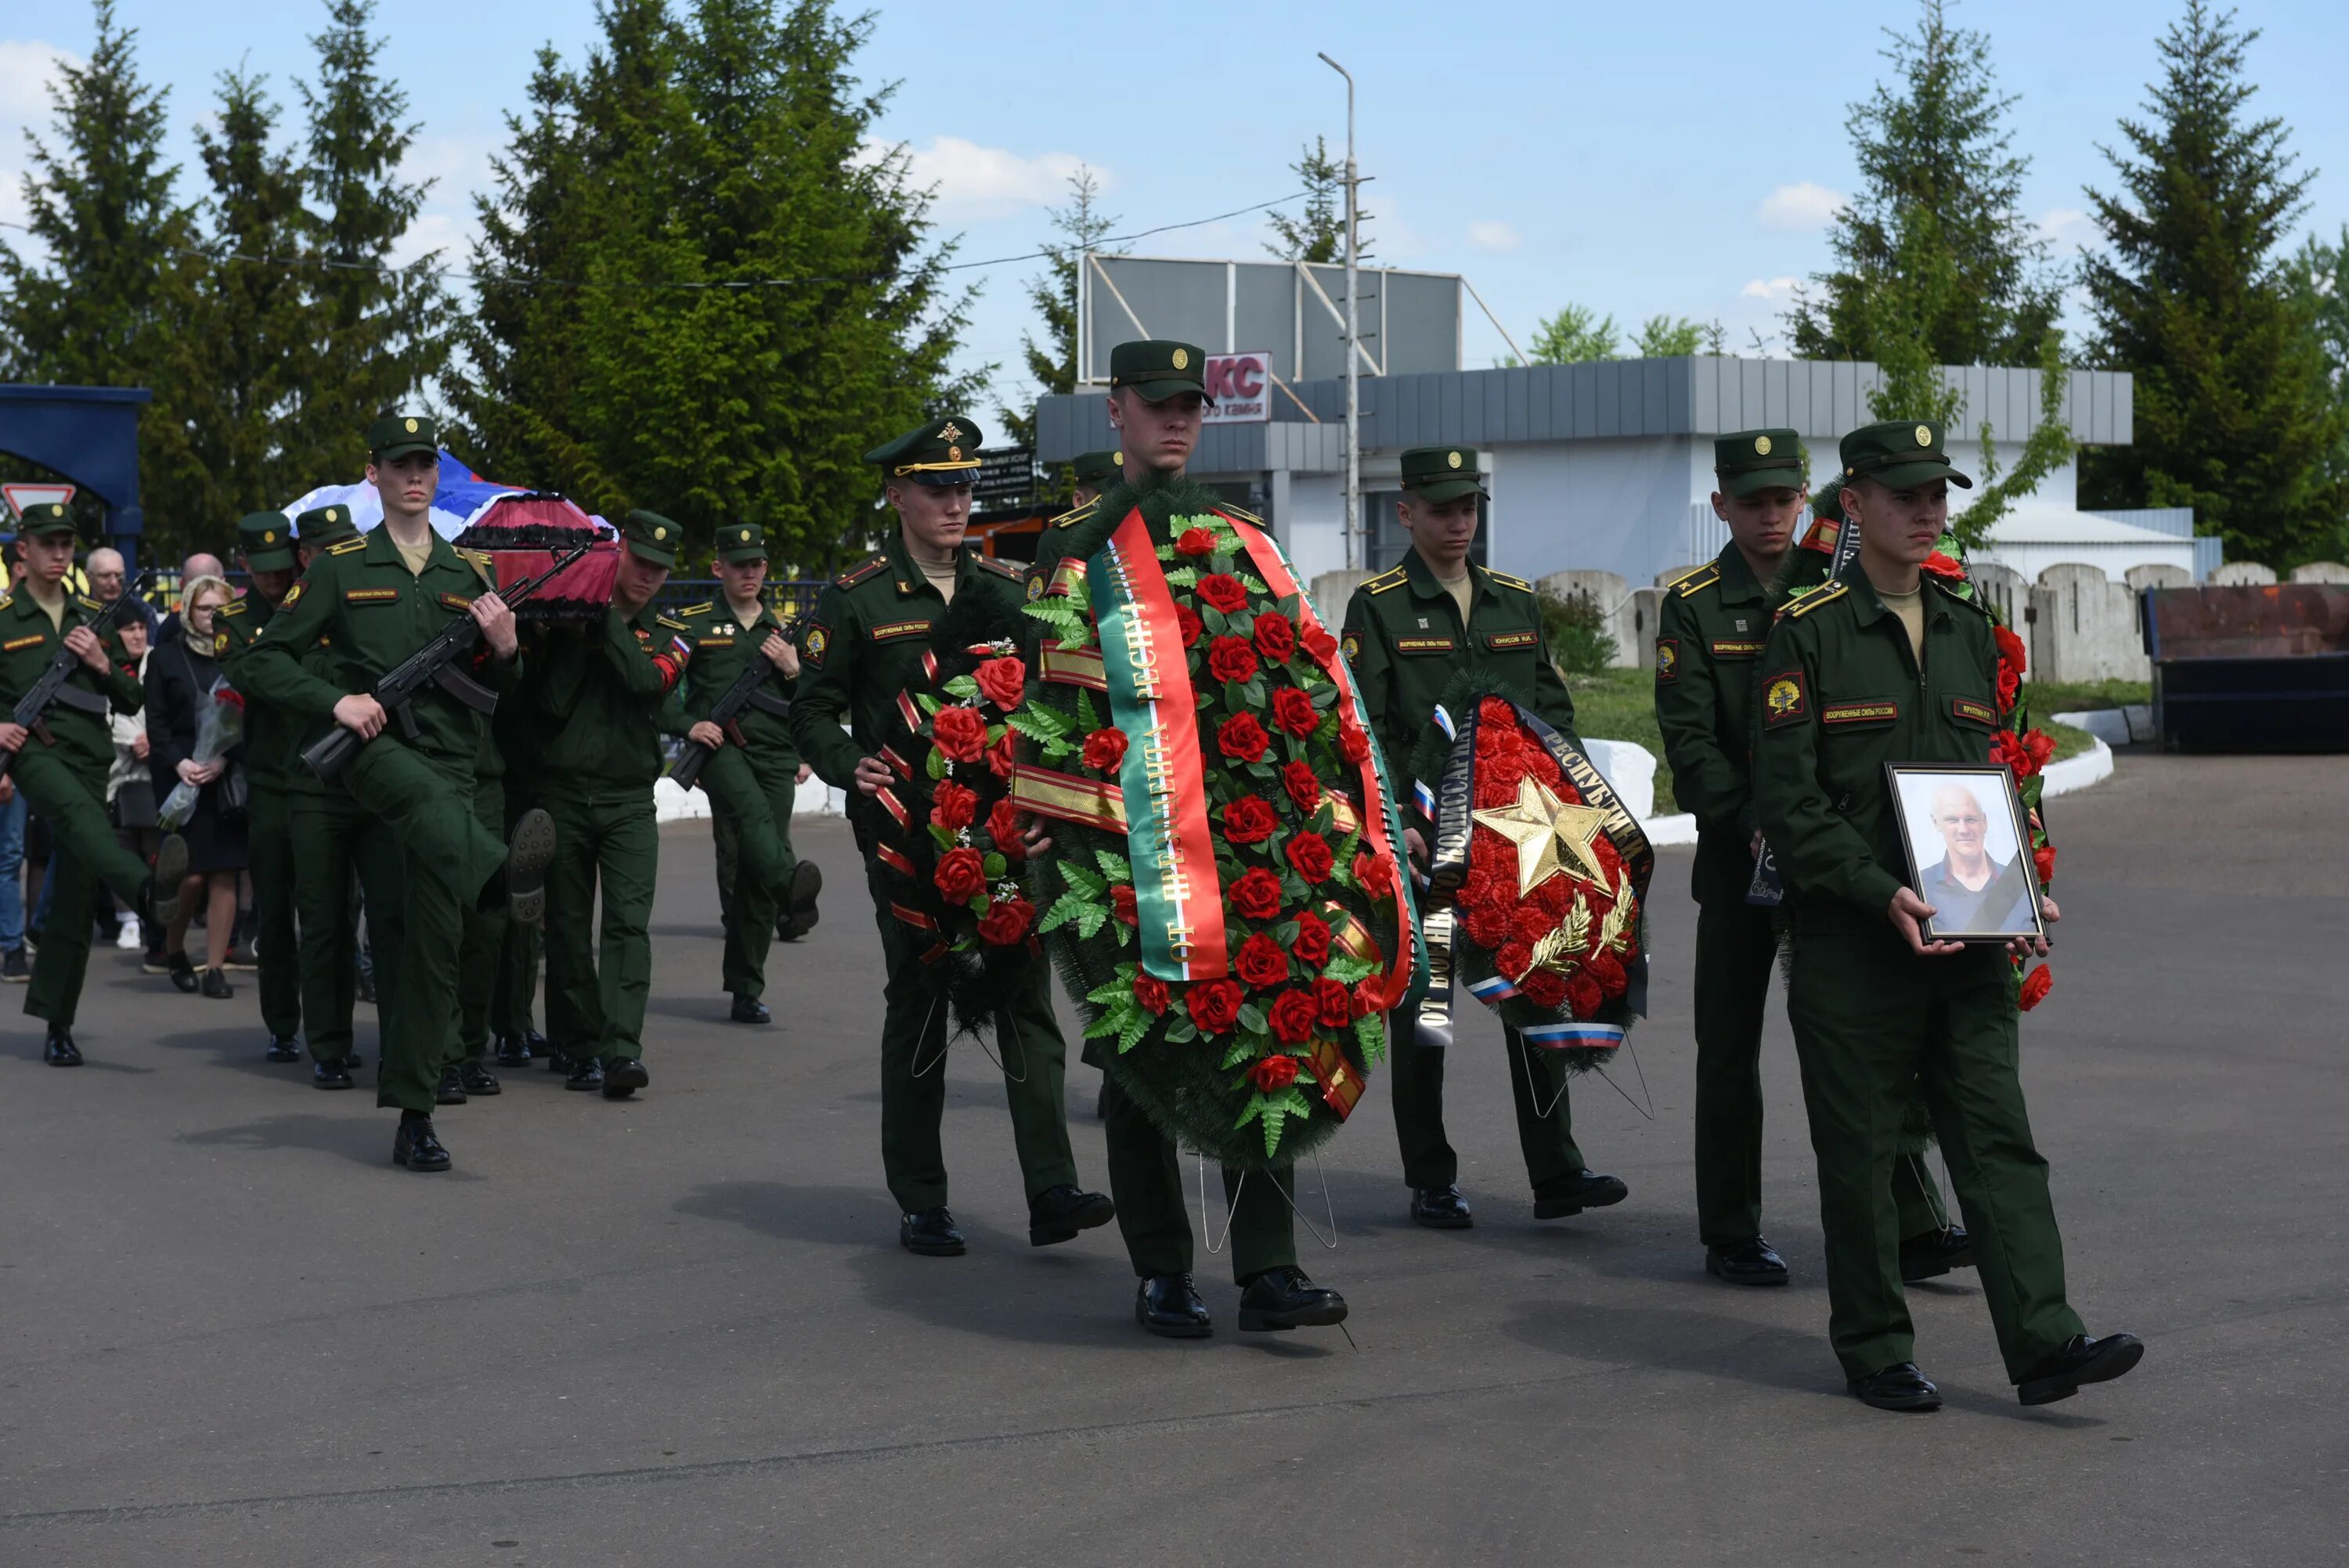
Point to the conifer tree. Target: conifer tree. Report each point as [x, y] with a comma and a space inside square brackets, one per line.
[1052, 365]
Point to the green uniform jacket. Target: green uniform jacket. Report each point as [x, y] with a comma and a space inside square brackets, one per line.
[28, 642]
[722, 647]
[603, 698]
[862, 644]
[274, 738]
[1709, 636]
[359, 604]
[1406, 642]
[1839, 695]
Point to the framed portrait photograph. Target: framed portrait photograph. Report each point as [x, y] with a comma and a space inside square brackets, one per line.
[1969, 856]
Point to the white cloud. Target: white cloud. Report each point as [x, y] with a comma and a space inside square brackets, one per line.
[1799, 208]
[975, 184]
[1770, 288]
[1490, 234]
[28, 68]
[2068, 229]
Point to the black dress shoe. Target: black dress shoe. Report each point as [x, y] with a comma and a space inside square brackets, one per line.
[416, 1146]
[331, 1075]
[1935, 1253]
[535, 1041]
[1441, 1208]
[798, 909]
[59, 1050]
[450, 1091]
[1900, 1386]
[183, 975]
[512, 1051]
[475, 1078]
[556, 1061]
[529, 850]
[1169, 1306]
[623, 1075]
[14, 969]
[1283, 1298]
[216, 985]
[283, 1048]
[1746, 1262]
[751, 1010]
[168, 872]
[1583, 1190]
[586, 1073]
[2081, 1360]
[1058, 1213]
[931, 1233]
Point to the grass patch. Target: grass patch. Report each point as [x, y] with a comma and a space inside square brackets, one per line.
[1621, 704]
[2048, 698]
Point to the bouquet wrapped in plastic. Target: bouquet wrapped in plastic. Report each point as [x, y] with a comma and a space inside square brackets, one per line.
[220, 725]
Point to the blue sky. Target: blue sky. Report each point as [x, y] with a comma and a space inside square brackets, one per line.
[1638, 159]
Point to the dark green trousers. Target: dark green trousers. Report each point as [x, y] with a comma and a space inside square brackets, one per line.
[597, 981]
[69, 795]
[1153, 1214]
[416, 913]
[1415, 1079]
[1737, 955]
[482, 958]
[750, 823]
[914, 1079]
[513, 1000]
[328, 830]
[428, 809]
[1872, 1021]
[269, 837]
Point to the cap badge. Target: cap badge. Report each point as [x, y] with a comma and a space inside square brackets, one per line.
[1924, 434]
[1453, 458]
[411, 427]
[1118, 458]
[1182, 360]
[948, 432]
[268, 536]
[334, 515]
[660, 534]
[954, 454]
[1761, 446]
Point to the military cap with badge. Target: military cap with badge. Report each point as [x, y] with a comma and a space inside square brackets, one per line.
[1439, 474]
[265, 540]
[651, 537]
[942, 453]
[1751, 460]
[396, 435]
[1157, 368]
[1899, 455]
[741, 542]
[43, 518]
[1099, 469]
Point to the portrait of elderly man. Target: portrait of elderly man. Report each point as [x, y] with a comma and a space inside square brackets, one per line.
[1972, 891]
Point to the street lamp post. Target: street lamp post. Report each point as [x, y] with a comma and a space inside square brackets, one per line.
[1354, 531]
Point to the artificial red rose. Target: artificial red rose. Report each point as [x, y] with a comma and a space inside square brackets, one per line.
[1370, 996]
[1607, 969]
[2041, 746]
[1257, 895]
[2035, 986]
[1004, 827]
[1544, 987]
[1196, 541]
[1532, 922]
[1274, 1073]
[1121, 904]
[1333, 1004]
[1220, 591]
[1001, 682]
[1104, 749]
[961, 875]
[1309, 855]
[1352, 744]
[1319, 644]
[1242, 738]
[1149, 992]
[2010, 649]
[1311, 947]
[959, 734]
[2044, 859]
[1584, 998]
[1276, 639]
[1249, 820]
[1000, 760]
[1303, 786]
[953, 806]
[1006, 921]
[1213, 1004]
[1188, 620]
[1261, 961]
[1375, 874]
[2023, 753]
[1293, 711]
[1513, 958]
[2009, 686]
[1487, 927]
[1291, 1017]
[1940, 565]
[1231, 659]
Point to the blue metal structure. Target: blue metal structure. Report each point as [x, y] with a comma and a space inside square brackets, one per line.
[88, 436]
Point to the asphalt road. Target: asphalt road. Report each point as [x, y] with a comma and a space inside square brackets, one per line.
[680, 1330]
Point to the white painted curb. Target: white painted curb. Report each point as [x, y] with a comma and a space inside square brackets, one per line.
[2091, 766]
[813, 798]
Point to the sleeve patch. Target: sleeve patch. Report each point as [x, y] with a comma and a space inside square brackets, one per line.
[292, 597]
[1668, 658]
[813, 641]
[1874, 710]
[1784, 700]
[1351, 645]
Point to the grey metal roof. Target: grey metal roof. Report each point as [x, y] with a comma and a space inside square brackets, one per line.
[1611, 398]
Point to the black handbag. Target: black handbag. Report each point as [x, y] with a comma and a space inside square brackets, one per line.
[134, 804]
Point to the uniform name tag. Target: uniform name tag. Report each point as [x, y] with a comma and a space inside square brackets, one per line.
[1874, 711]
[1423, 644]
[35, 640]
[714, 642]
[897, 629]
[370, 595]
[1512, 639]
[1728, 648]
[456, 600]
[1979, 713]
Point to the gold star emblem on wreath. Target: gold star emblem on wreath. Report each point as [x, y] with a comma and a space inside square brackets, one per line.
[1550, 835]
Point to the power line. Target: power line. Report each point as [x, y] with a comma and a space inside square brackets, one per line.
[740, 286]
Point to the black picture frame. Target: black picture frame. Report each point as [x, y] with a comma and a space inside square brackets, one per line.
[2007, 905]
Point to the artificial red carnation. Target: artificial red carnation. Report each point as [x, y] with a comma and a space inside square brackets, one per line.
[1583, 997]
[1556, 897]
[1003, 825]
[2044, 859]
[1333, 1004]
[1505, 772]
[1231, 659]
[1104, 749]
[958, 733]
[1006, 921]
[1312, 944]
[1213, 1004]
[1487, 927]
[1476, 887]
[1303, 786]
[1276, 639]
[1196, 541]
[1188, 620]
[1375, 875]
[1497, 740]
[1257, 895]
[1293, 711]
[1242, 738]
[961, 875]
[1532, 922]
[1544, 987]
[1261, 961]
[1273, 1073]
[1940, 565]
[953, 806]
[1221, 590]
[1352, 744]
[1121, 904]
[1150, 993]
[1514, 958]
[1492, 710]
[1319, 644]
[1291, 1017]
[1541, 765]
[1002, 681]
[1249, 820]
[1310, 853]
[1607, 969]
[2035, 986]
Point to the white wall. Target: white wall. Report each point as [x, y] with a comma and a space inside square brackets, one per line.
[1312, 525]
[1618, 506]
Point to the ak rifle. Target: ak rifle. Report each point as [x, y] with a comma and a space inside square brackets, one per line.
[749, 690]
[32, 710]
[434, 664]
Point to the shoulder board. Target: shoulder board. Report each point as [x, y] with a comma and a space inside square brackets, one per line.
[1393, 578]
[1973, 601]
[859, 573]
[1506, 581]
[7, 599]
[695, 610]
[237, 608]
[478, 557]
[1000, 568]
[673, 624]
[1826, 593]
[348, 545]
[1076, 514]
[1695, 581]
[86, 603]
[1228, 510]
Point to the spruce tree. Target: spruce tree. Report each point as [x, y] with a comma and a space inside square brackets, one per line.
[1318, 233]
[1082, 226]
[2234, 414]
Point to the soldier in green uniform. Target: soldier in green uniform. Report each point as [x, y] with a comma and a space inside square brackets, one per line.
[272, 738]
[1886, 665]
[482, 954]
[859, 648]
[1096, 472]
[1408, 632]
[61, 764]
[753, 769]
[513, 990]
[372, 602]
[1708, 639]
[603, 699]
